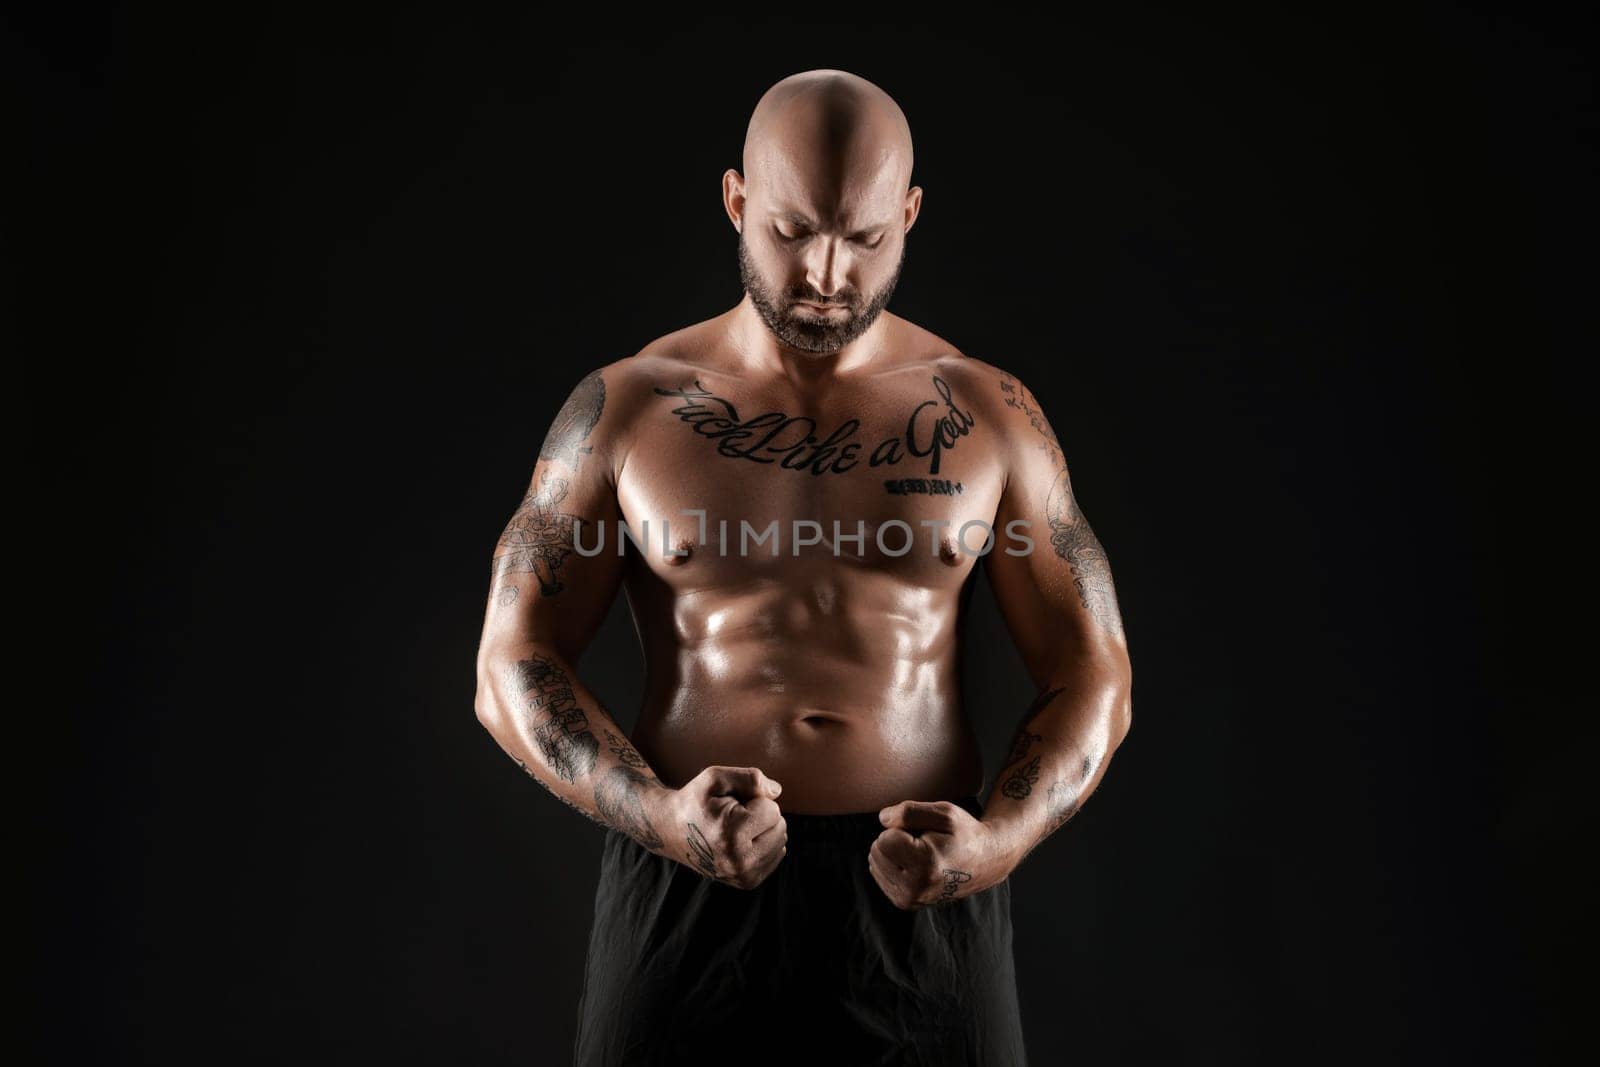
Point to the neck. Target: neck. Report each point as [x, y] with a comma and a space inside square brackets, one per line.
[764, 354]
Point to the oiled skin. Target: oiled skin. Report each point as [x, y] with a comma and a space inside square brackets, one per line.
[836, 674]
[816, 680]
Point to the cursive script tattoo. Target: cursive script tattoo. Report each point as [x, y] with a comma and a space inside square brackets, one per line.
[953, 880]
[1070, 534]
[562, 728]
[619, 798]
[791, 441]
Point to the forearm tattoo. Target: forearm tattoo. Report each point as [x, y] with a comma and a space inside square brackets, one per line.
[1071, 537]
[624, 751]
[561, 728]
[1061, 798]
[619, 797]
[1062, 801]
[559, 796]
[1019, 747]
[538, 539]
[1020, 782]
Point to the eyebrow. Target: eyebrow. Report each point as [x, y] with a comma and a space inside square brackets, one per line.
[801, 220]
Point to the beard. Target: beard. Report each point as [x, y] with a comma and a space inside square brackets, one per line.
[803, 330]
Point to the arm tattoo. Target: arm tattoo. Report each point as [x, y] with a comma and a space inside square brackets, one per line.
[1070, 534]
[1076, 543]
[1021, 397]
[1020, 746]
[1021, 781]
[624, 751]
[619, 797]
[563, 736]
[572, 424]
[538, 539]
[561, 797]
[1062, 803]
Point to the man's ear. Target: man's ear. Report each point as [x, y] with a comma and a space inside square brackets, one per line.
[913, 206]
[733, 197]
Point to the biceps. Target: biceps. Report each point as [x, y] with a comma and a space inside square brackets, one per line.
[1056, 592]
[551, 581]
[1072, 541]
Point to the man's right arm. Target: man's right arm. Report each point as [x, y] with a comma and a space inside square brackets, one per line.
[545, 602]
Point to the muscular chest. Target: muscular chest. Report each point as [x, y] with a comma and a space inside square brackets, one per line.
[887, 476]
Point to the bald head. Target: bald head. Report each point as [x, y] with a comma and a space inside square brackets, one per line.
[831, 131]
[823, 208]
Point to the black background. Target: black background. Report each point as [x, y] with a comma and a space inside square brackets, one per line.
[1298, 295]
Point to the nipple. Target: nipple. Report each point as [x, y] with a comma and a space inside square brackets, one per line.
[685, 547]
[948, 552]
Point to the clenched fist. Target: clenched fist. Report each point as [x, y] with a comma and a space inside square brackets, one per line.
[933, 852]
[725, 823]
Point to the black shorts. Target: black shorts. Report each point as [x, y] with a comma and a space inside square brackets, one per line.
[815, 961]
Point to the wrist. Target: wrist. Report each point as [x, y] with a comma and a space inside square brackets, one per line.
[1008, 840]
[660, 805]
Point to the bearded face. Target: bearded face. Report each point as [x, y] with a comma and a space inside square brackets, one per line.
[778, 289]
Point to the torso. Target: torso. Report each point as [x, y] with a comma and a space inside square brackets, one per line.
[835, 673]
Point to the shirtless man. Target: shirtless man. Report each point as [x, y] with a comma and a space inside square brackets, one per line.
[796, 860]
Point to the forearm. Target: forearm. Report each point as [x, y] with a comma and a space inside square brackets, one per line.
[532, 703]
[1058, 756]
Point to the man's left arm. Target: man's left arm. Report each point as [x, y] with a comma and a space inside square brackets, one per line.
[1059, 605]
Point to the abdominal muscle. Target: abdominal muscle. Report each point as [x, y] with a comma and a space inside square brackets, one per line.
[848, 696]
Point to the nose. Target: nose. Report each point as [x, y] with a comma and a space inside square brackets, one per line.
[826, 264]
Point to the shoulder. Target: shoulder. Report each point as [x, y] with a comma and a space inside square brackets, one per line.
[998, 398]
[998, 394]
[980, 382]
[605, 402]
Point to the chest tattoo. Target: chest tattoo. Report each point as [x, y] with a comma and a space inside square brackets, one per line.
[932, 427]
